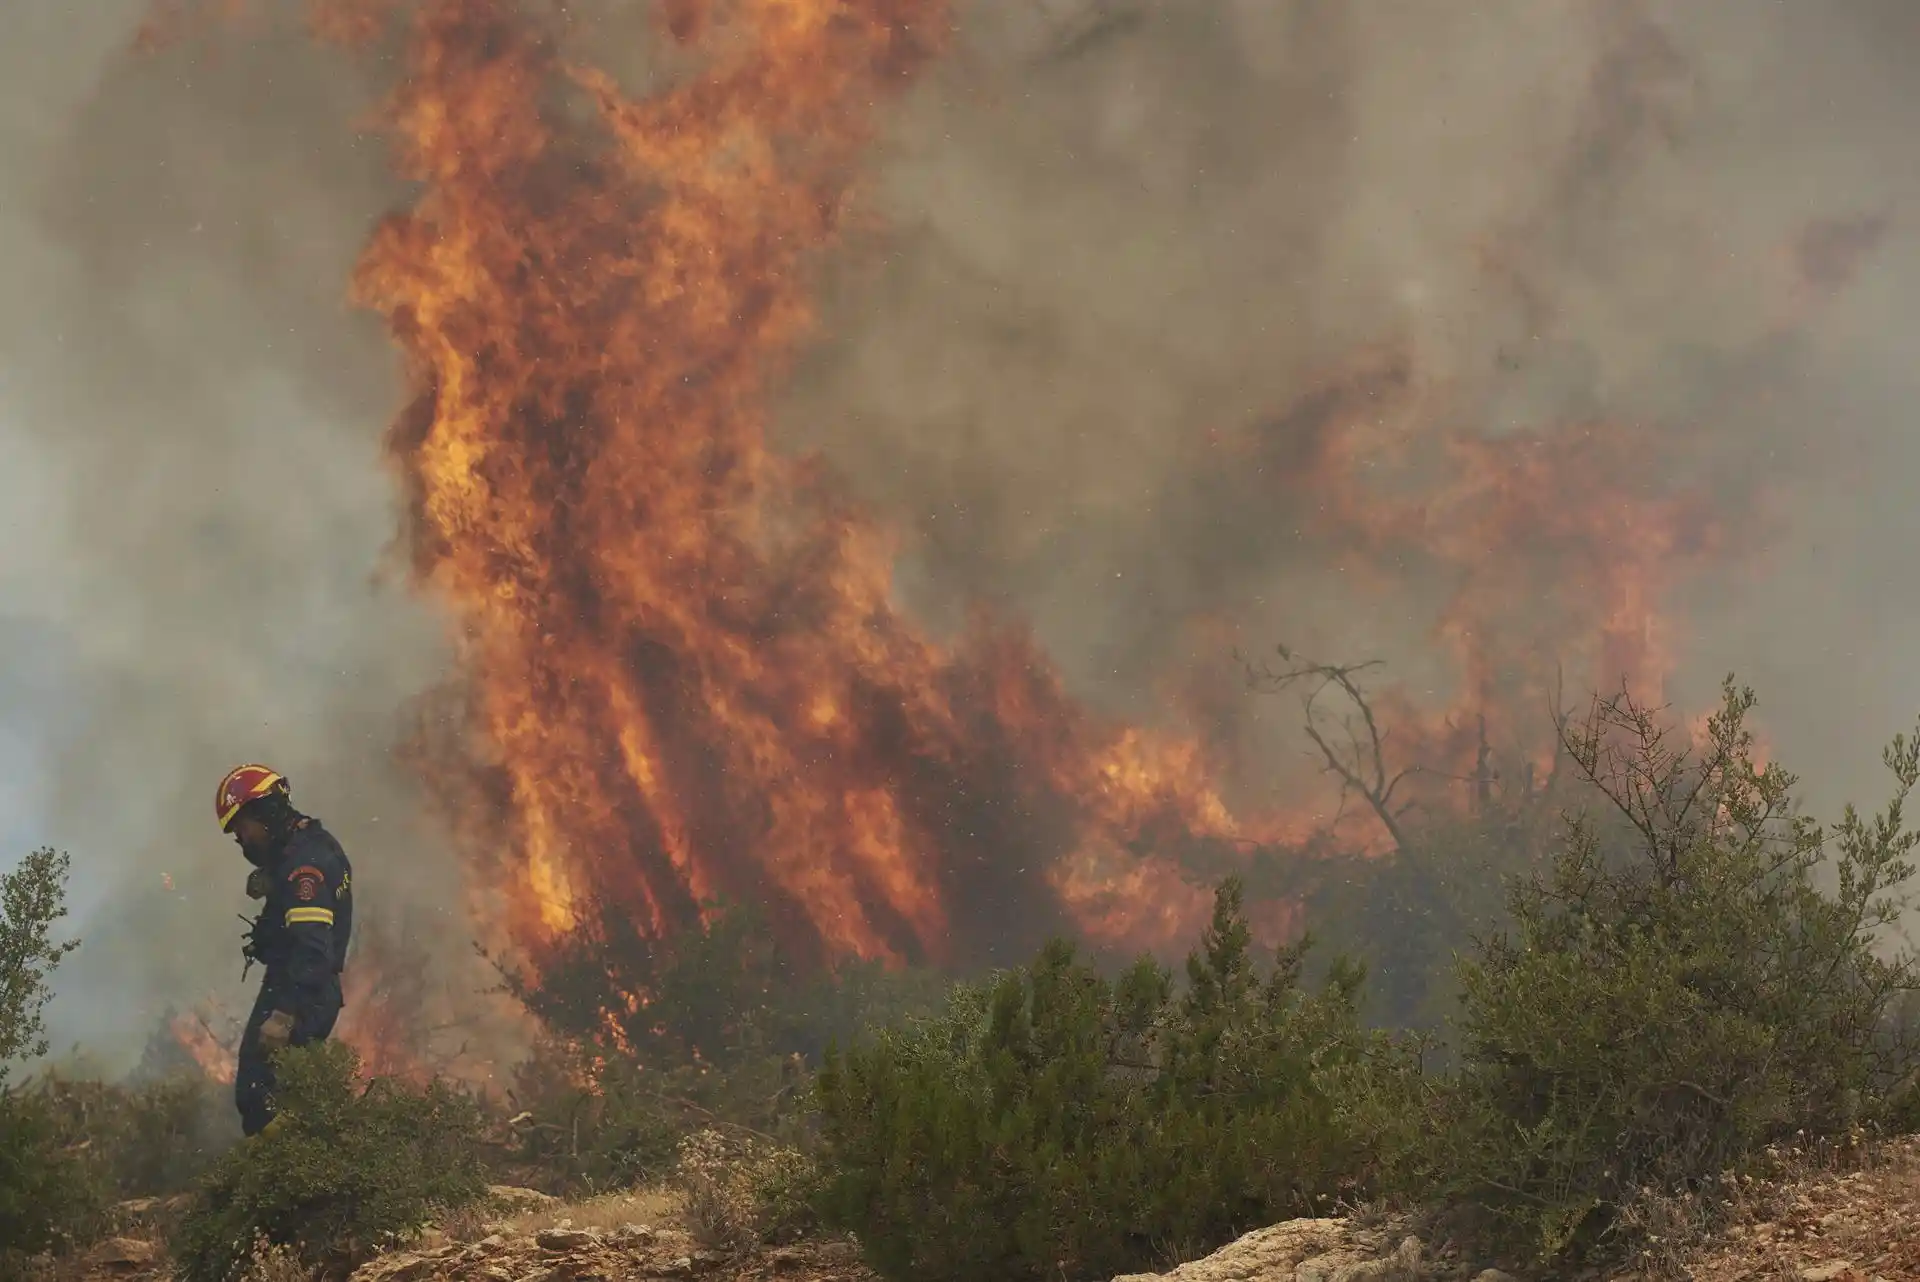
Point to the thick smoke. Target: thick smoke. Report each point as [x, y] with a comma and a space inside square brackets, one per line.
[1115, 230]
[199, 511]
[1107, 232]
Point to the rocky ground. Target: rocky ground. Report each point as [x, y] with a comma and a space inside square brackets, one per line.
[1856, 1225]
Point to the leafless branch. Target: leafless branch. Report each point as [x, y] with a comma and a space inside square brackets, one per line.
[1361, 762]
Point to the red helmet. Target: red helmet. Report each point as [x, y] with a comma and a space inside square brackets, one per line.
[244, 784]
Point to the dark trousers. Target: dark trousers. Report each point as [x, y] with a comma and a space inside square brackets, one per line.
[253, 1069]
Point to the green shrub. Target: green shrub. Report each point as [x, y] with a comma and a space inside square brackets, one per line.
[742, 1190]
[343, 1171]
[1649, 1023]
[1055, 1124]
[51, 1197]
[152, 1138]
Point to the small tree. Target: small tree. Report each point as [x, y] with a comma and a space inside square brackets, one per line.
[1650, 1022]
[48, 1196]
[33, 897]
[1055, 1123]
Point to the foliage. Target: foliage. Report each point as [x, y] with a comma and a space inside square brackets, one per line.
[652, 1040]
[1452, 838]
[32, 899]
[741, 1191]
[719, 995]
[1055, 1123]
[343, 1170]
[51, 1198]
[152, 1138]
[1649, 1024]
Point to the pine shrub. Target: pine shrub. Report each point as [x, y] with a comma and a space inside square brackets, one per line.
[1056, 1124]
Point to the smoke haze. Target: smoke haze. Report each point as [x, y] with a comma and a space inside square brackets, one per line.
[1107, 235]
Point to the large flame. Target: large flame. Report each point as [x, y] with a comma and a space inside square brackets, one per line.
[685, 677]
[685, 664]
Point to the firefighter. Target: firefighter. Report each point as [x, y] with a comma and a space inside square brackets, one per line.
[300, 936]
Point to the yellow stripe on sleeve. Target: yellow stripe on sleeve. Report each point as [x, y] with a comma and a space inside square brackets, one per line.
[323, 916]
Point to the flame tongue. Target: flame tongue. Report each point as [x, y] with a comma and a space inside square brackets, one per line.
[683, 655]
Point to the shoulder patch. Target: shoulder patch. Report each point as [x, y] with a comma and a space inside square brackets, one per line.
[307, 881]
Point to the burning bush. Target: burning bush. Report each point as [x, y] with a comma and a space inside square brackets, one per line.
[1650, 1023]
[652, 1040]
[344, 1170]
[1056, 1123]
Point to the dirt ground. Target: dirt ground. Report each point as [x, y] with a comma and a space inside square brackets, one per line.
[1854, 1225]
[1836, 1227]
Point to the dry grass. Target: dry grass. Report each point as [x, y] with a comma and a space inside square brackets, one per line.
[660, 1209]
[1857, 1205]
[657, 1208]
[276, 1264]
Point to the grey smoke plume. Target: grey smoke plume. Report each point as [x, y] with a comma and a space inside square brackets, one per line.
[1110, 229]
[1118, 227]
[197, 503]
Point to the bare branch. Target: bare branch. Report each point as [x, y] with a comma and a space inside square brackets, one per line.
[1361, 765]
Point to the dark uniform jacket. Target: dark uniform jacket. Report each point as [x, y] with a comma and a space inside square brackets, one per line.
[303, 931]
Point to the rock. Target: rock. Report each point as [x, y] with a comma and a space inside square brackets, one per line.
[514, 1195]
[123, 1254]
[633, 1235]
[681, 1267]
[490, 1243]
[1492, 1275]
[785, 1259]
[1826, 1272]
[1322, 1250]
[559, 1239]
[396, 1268]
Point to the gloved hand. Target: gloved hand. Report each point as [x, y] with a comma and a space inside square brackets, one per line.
[276, 1031]
[257, 884]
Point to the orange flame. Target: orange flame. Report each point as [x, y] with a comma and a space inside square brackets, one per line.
[685, 662]
[686, 678]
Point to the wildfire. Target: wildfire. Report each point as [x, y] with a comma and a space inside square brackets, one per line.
[685, 665]
[212, 1053]
[685, 677]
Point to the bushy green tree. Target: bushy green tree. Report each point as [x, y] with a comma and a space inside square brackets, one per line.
[1647, 1023]
[345, 1168]
[1053, 1123]
[49, 1196]
[33, 900]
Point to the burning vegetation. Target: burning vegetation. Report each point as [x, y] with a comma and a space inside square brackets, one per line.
[685, 678]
